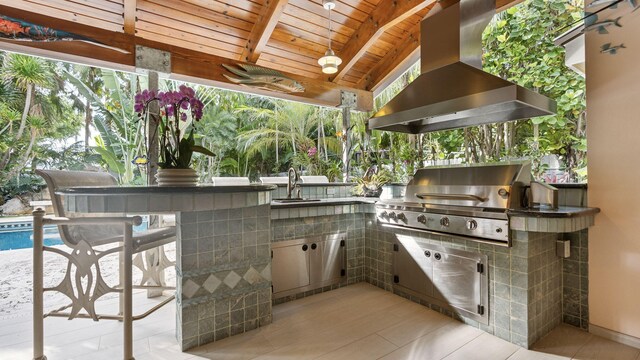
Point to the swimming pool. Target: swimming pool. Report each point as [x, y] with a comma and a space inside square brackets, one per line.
[22, 239]
[19, 235]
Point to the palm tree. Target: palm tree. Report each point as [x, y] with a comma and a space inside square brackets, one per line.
[26, 74]
[280, 126]
[121, 136]
[217, 132]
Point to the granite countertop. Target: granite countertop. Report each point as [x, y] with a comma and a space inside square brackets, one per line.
[325, 202]
[146, 190]
[560, 212]
[301, 184]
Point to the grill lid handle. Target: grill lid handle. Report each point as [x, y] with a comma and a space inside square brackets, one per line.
[451, 197]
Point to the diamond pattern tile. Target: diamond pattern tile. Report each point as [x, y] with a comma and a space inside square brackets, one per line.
[266, 272]
[232, 279]
[212, 283]
[189, 288]
[252, 276]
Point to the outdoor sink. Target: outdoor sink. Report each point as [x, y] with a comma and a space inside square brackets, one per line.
[294, 200]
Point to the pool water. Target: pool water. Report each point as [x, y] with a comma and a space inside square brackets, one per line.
[23, 239]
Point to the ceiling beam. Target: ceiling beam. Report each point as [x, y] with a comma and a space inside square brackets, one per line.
[262, 29]
[186, 64]
[387, 14]
[130, 7]
[406, 52]
[394, 59]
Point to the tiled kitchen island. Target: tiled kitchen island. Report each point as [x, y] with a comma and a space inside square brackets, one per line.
[531, 289]
[225, 239]
[223, 274]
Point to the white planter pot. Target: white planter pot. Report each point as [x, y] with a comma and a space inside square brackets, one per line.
[177, 177]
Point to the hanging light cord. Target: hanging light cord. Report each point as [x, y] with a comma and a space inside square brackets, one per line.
[329, 28]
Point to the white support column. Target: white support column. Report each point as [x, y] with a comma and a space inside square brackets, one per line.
[346, 144]
[152, 169]
[152, 131]
[348, 101]
[154, 63]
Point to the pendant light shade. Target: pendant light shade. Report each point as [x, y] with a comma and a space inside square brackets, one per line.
[329, 62]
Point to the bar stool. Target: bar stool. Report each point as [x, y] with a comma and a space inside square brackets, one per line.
[90, 238]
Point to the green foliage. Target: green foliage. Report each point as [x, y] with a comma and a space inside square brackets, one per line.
[121, 138]
[23, 71]
[372, 181]
[519, 47]
[42, 104]
[35, 116]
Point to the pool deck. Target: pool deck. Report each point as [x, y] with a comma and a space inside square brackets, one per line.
[12, 219]
[16, 279]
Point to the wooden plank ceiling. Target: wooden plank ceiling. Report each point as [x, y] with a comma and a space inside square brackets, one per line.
[372, 37]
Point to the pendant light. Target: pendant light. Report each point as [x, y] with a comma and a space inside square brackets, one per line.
[329, 61]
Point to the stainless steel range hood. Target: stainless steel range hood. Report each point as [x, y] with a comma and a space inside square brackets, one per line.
[453, 91]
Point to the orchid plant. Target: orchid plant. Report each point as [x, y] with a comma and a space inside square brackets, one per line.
[176, 132]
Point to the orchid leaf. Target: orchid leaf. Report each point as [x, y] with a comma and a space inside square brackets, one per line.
[202, 150]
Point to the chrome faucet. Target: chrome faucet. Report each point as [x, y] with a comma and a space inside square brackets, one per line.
[292, 182]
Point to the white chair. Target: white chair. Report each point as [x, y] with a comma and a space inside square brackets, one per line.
[91, 238]
[230, 181]
[274, 179]
[314, 179]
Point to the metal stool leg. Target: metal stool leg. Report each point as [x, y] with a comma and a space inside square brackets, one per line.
[127, 314]
[38, 274]
[122, 282]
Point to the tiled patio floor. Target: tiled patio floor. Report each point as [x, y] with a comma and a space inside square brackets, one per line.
[356, 322]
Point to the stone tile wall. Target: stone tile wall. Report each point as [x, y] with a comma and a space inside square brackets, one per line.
[544, 284]
[575, 281]
[313, 211]
[575, 269]
[317, 191]
[225, 267]
[525, 293]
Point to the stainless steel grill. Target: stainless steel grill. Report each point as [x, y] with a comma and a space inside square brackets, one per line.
[470, 201]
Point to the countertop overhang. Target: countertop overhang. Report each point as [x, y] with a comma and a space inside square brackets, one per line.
[150, 190]
[560, 212]
[324, 202]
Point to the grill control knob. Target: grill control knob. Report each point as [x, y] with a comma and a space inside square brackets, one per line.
[503, 192]
[392, 215]
[384, 215]
[422, 219]
[444, 221]
[401, 217]
[472, 224]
